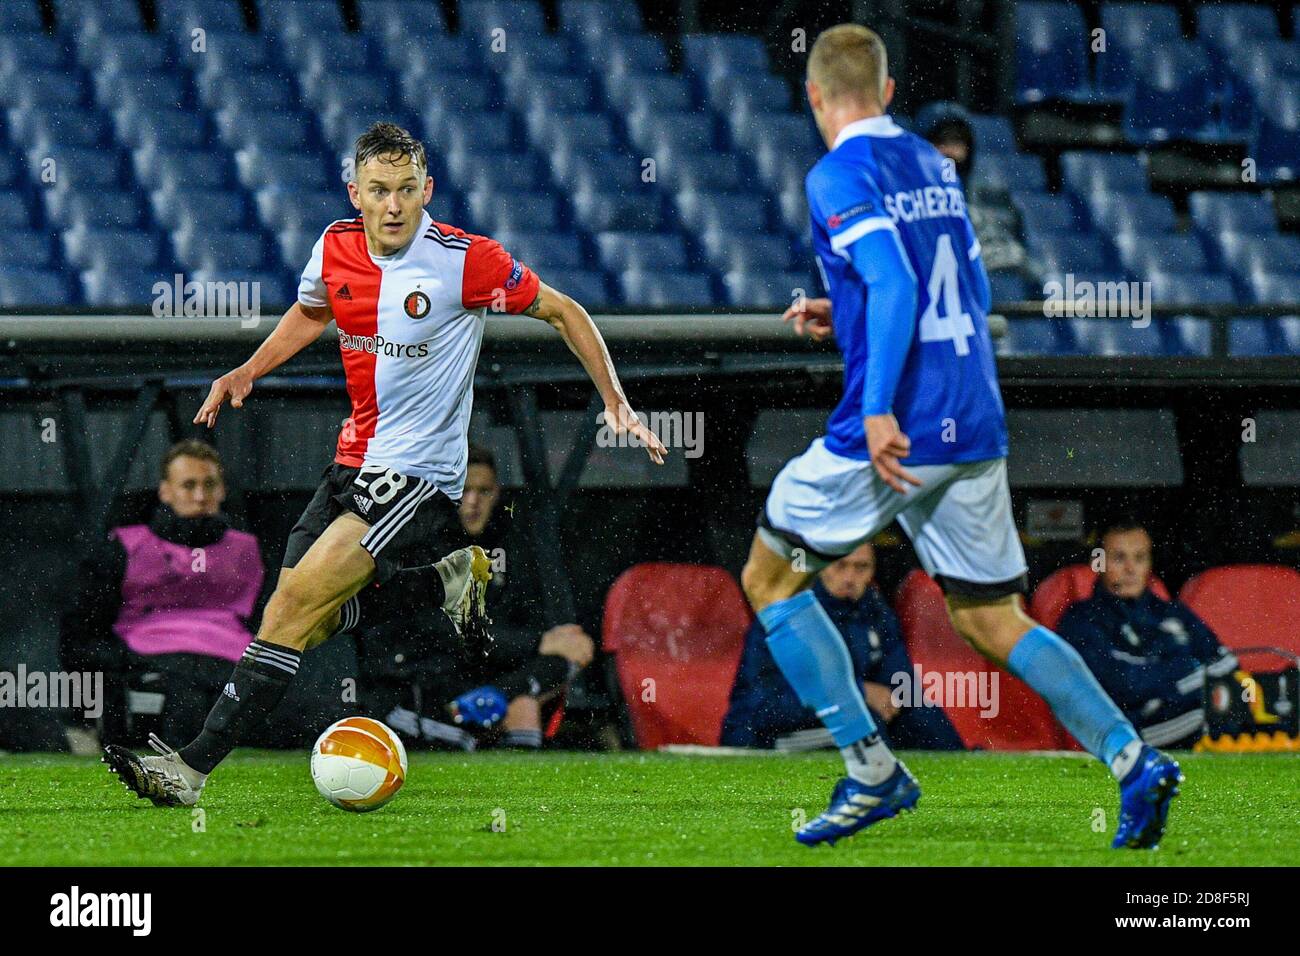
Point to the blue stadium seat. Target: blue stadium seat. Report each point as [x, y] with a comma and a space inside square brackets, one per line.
[14, 213]
[661, 290]
[561, 94]
[792, 208]
[346, 54]
[442, 101]
[193, 209]
[1033, 336]
[597, 211]
[257, 168]
[499, 173]
[132, 53]
[86, 248]
[176, 169]
[271, 129]
[602, 171]
[705, 172]
[295, 20]
[388, 20]
[540, 55]
[274, 289]
[1122, 337]
[295, 246]
[640, 251]
[1253, 336]
[1228, 27]
[1231, 212]
[1130, 28]
[182, 17]
[1270, 289]
[1131, 213]
[20, 16]
[1007, 286]
[93, 208]
[702, 210]
[82, 17]
[120, 284]
[536, 248]
[302, 210]
[581, 132]
[782, 164]
[228, 52]
[1047, 213]
[641, 54]
[709, 54]
[752, 254]
[1246, 253]
[598, 18]
[164, 128]
[54, 132]
[1051, 50]
[649, 94]
[515, 16]
[586, 286]
[29, 286]
[1067, 252]
[993, 134]
[523, 211]
[1191, 289]
[1145, 255]
[242, 92]
[155, 88]
[39, 89]
[1013, 172]
[1173, 92]
[214, 250]
[774, 290]
[1277, 140]
[26, 247]
[1086, 173]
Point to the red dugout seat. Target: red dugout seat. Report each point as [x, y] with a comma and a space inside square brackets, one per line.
[676, 632]
[1023, 721]
[1248, 605]
[1072, 583]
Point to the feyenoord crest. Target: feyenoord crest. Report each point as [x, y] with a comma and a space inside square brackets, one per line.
[417, 305]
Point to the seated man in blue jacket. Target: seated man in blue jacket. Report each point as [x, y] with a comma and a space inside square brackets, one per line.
[1151, 656]
[764, 706]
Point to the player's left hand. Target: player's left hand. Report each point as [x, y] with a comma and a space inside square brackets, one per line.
[623, 420]
[886, 444]
[481, 707]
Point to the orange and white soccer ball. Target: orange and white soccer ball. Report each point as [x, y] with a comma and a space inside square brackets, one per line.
[358, 764]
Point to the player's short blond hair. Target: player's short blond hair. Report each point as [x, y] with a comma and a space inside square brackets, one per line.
[849, 62]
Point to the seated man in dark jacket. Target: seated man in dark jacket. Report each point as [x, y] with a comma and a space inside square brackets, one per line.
[163, 608]
[421, 680]
[1151, 656]
[764, 706]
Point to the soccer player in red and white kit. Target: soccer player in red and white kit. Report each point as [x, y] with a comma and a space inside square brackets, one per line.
[410, 297]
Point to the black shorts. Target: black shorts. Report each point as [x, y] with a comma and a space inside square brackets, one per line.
[411, 521]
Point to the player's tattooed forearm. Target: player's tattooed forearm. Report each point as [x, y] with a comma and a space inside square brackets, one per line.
[535, 309]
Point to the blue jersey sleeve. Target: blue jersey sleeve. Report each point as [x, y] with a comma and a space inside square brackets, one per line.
[851, 205]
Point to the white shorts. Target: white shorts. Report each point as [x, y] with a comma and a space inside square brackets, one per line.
[959, 519]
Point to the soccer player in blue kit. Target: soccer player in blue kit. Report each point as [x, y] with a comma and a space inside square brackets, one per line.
[920, 436]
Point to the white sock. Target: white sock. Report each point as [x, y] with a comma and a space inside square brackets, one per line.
[1126, 759]
[868, 761]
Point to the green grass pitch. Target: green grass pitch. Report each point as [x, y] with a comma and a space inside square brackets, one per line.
[643, 809]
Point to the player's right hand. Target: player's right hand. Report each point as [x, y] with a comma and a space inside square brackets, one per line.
[812, 316]
[886, 444]
[234, 386]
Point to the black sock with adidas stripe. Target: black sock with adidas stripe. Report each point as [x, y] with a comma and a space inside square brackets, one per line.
[256, 686]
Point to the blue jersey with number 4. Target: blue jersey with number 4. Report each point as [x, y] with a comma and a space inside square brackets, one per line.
[909, 296]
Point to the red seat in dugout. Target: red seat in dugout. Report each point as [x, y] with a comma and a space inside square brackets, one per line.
[1022, 720]
[676, 632]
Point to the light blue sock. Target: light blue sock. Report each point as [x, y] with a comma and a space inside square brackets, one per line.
[1044, 661]
[815, 660]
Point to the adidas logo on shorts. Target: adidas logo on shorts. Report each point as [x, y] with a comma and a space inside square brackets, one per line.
[363, 503]
[229, 691]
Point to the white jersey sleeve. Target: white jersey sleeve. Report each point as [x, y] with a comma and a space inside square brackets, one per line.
[311, 287]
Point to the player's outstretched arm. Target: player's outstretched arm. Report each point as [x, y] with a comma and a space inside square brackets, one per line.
[811, 316]
[298, 328]
[585, 341]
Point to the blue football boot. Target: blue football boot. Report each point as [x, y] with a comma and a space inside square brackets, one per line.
[1144, 798]
[855, 806]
